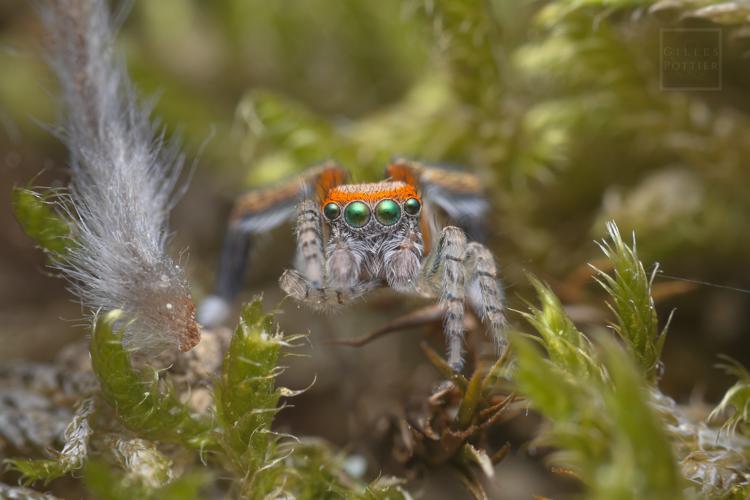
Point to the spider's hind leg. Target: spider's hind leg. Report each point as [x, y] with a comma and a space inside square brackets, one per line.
[459, 194]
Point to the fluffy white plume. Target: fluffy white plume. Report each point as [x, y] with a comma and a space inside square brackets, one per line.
[123, 180]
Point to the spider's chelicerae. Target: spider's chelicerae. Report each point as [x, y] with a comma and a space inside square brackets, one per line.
[354, 238]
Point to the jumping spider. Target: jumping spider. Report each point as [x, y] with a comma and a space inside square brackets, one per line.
[354, 238]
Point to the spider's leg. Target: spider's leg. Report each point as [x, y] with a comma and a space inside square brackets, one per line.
[320, 297]
[449, 257]
[214, 309]
[431, 266]
[310, 258]
[457, 193]
[249, 218]
[254, 213]
[485, 293]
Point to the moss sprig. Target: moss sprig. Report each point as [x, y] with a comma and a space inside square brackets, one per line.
[602, 423]
[247, 400]
[143, 402]
[629, 287]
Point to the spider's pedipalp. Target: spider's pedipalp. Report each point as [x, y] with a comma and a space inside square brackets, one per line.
[343, 262]
[402, 260]
[484, 291]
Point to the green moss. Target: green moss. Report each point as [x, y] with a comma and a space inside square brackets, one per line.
[106, 484]
[629, 287]
[736, 401]
[39, 470]
[567, 347]
[597, 395]
[605, 431]
[143, 402]
[318, 473]
[40, 221]
[246, 401]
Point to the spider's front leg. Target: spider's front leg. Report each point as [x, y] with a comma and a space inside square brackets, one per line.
[309, 282]
[449, 256]
[255, 213]
[310, 257]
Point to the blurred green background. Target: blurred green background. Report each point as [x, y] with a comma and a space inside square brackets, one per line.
[557, 105]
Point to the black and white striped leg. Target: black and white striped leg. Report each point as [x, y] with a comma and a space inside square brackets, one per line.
[452, 247]
[485, 293]
[310, 258]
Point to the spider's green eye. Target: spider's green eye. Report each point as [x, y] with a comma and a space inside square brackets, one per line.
[387, 212]
[332, 211]
[357, 214]
[412, 206]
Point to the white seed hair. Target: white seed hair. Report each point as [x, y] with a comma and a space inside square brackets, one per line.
[122, 188]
